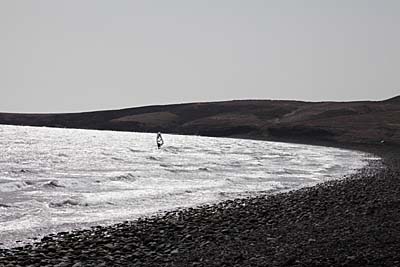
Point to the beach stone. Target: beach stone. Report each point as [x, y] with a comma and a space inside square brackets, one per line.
[62, 264]
[354, 222]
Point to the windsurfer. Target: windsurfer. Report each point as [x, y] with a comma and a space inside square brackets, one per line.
[160, 141]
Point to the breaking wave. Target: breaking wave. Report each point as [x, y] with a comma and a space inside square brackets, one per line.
[127, 177]
[67, 202]
[53, 184]
[13, 186]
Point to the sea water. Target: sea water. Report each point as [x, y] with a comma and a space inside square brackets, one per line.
[55, 180]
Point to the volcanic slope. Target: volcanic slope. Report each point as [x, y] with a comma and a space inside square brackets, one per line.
[367, 122]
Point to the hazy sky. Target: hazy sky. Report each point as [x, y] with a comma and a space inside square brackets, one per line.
[78, 55]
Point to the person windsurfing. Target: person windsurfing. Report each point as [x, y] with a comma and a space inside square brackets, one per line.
[160, 141]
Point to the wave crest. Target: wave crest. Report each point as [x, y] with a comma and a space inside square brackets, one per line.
[127, 177]
[67, 202]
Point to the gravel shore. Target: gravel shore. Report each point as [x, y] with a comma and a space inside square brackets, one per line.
[350, 222]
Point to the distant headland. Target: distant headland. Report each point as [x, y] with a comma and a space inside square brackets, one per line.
[360, 122]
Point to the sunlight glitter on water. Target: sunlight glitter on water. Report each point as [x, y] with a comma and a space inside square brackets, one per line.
[59, 179]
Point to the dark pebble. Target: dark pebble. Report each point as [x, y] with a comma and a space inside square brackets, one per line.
[350, 222]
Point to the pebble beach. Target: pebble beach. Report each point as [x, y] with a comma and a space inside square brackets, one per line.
[354, 221]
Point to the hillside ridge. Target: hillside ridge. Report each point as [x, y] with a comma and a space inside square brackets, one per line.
[367, 122]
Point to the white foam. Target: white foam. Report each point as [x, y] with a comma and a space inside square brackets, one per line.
[13, 186]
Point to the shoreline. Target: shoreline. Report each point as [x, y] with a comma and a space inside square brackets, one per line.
[349, 221]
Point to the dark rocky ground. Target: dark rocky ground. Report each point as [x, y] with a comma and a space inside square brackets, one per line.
[350, 222]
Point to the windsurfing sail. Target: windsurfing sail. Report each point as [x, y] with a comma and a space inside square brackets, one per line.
[160, 141]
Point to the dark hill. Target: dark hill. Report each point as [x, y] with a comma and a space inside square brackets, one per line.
[343, 122]
[395, 99]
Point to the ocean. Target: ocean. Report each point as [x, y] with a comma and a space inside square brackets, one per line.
[54, 180]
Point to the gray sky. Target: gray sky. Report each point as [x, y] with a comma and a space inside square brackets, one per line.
[79, 55]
